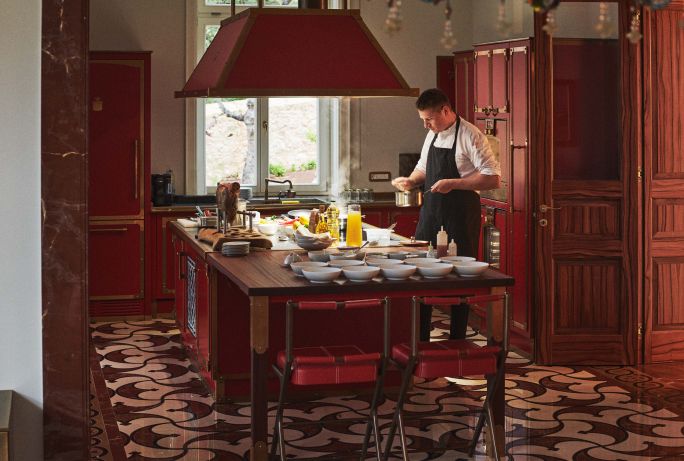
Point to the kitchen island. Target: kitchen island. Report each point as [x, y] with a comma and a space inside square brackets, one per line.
[241, 327]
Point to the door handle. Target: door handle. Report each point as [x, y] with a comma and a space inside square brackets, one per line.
[136, 173]
[109, 229]
[544, 208]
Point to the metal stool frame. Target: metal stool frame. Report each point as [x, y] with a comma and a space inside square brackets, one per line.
[285, 374]
[486, 412]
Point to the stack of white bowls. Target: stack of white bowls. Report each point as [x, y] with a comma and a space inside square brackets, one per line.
[238, 248]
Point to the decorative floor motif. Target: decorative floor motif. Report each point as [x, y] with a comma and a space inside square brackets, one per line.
[553, 413]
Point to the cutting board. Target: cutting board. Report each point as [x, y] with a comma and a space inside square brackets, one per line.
[217, 239]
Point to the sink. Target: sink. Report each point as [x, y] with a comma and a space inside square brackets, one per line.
[277, 201]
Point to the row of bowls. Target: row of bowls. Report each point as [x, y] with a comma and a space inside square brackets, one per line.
[326, 256]
[392, 269]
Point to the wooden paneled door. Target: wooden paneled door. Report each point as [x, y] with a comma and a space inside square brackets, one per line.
[664, 184]
[587, 198]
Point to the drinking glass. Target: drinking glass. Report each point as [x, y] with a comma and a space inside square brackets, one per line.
[354, 234]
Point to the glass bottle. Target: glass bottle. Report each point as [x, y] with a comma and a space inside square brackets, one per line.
[333, 214]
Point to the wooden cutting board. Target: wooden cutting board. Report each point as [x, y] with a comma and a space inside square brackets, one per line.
[217, 239]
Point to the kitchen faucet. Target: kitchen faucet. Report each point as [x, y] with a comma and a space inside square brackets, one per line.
[290, 192]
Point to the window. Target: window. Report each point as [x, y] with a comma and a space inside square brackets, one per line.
[250, 139]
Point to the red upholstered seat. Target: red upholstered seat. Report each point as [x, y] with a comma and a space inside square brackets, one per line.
[457, 357]
[331, 365]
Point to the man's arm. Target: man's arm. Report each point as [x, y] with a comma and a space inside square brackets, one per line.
[476, 181]
[414, 180]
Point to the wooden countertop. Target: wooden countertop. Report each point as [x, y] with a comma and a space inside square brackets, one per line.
[188, 236]
[261, 274]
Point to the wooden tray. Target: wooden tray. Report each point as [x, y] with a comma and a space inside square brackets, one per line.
[217, 239]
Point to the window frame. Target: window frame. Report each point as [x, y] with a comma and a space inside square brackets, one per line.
[202, 16]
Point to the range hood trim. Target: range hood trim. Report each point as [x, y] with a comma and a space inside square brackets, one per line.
[251, 16]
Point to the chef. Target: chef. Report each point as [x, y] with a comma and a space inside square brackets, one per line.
[456, 162]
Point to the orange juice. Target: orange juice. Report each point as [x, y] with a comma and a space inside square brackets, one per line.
[354, 229]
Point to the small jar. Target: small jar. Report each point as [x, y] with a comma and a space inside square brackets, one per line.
[371, 195]
[354, 195]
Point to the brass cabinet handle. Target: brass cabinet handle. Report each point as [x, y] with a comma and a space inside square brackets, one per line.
[136, 173]
[544, 208]
[109, 229]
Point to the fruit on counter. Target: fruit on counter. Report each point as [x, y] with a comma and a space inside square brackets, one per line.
[304, 220]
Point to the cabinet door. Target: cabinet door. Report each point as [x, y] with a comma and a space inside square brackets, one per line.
[375, 217]
[445, 77]
[519, 126]
[499, 80]
[202, 306]
[179, 282]
[115, 260]
[116, 154]
[162, 273]
[482, 80]
[464, 84]
[407, 221]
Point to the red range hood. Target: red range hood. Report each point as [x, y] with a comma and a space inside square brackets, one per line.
[302, 52]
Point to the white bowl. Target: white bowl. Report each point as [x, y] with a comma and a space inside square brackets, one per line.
[423, 261]
[346, 263]
[319, 256]
[383, 262]
[298, 266]
[453, 259]
[470, 268]
[268, 228]
[360, 273]
[398, 271]
[321, 274]
[313, 244]
[435, 271]
[348, 256]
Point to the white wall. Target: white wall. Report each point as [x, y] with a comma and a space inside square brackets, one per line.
[20, 282]
[157, 26]
[485, 13]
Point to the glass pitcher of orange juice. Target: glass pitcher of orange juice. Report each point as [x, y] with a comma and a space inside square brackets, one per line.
[354, 225]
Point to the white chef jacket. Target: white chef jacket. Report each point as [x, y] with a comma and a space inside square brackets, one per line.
[473, 152]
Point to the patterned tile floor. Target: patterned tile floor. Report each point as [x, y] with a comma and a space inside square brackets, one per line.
[164, 412]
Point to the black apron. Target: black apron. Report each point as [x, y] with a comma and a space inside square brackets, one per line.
[458, 211]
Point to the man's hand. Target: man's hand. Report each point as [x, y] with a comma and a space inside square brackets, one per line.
[403, 183]
[444, 186]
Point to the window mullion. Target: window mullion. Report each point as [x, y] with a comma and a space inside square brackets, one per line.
[262, 143]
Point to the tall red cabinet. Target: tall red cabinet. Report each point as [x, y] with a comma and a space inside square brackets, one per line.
[492, 91]
[118, 165]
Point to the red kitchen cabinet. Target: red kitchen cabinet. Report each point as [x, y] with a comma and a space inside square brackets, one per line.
[464, 85]
[116, 268]
[491, 79]
[377, 218]
[118, 134]
[179, 268]
[118, 172]
[446, 77]
[407, 221]
[161, 269]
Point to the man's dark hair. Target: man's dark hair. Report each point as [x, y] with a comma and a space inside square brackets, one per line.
[433, 98]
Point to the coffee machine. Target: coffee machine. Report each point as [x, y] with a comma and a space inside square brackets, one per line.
[162, 194]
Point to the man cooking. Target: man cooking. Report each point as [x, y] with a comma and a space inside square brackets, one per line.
[456, 161]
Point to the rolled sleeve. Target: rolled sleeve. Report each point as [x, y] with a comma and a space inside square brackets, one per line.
[422, 162]
[483, 158]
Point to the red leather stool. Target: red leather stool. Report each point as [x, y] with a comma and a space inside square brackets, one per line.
[327, 365]
[457, 357]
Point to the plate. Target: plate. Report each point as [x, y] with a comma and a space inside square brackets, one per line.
[415, 243]
[297, 213]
